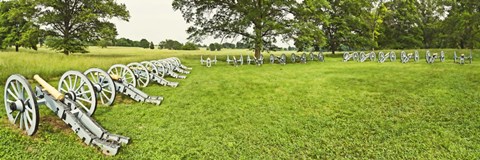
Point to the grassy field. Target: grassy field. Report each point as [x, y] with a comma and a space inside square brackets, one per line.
[297, 111]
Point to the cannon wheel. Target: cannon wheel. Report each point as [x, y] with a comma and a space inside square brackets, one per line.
[260, 59]
[417, 56]
[103, 84]
[143, 78]
[78, 87]
[442, 56]
[272, 58]
[160, 68]
[293, 57]
[345, 56]
[321, 57]
[150, 67]
[304, 58]
[403, 57]
[124, 73]
[372, 56]
[21, 104]
[471, 57]
[381, 57]
[312, 57]
[455, 57]
[362, 57]
[283, 57]
[393, 56]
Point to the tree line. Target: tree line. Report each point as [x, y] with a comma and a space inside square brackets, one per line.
[337, 24]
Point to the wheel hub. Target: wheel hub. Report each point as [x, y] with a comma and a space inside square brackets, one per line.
[17, 106]
[71, 95]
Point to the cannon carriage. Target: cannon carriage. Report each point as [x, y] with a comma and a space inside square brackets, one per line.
[382, 57]
[74, 103]
[236, 62]
[405, 58]
[320, 57]
[363, 57]
[208, 62]
[282, 59]
[256, 61]
[301, 59]
[430, 58]
[462, 58]
[347, 56]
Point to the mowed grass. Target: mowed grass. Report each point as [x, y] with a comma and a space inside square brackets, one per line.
[297, 111]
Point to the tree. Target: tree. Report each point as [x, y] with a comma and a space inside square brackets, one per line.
[218, 46]
[258, 20]
[144, 43]
[171, 44]
[212, 47]
[401, 26]
[241, 45]
[152, 46]
[125, 42]
[462, 28]
[16, 24]
[347, 24]
[190, 46]
[228, 45]
[162, 44]
[431, 12]
[73, 23]
[310, 19]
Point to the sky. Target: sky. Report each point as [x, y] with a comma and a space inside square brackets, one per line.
[155, 21]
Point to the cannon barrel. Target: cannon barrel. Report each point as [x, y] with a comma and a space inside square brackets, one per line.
[54, 92]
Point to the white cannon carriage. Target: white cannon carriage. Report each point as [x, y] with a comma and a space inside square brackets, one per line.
[462, 58]
[320, 57]
[282, 59]
[74, 102]
[347, 56]
[302, 58]
[383, 57]
[430, 58]
[208, 62]
[405, 58]
[363, 57]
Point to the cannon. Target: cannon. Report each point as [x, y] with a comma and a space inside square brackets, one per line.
[170, 68]
[125, 81]
[157, 73]
[430, 58]
[364, 57]
[405, 58]
[208, 62]
[461, 59]
[74, 103]
[301, 59]
[178, 66]
[390, 55]
[347, 56]
[258, 61]
[320, 57]
[282, 59]
[236, 62]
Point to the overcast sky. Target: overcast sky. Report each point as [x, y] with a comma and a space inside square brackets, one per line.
[155, 21]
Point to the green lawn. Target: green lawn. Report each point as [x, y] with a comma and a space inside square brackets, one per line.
[297, 111]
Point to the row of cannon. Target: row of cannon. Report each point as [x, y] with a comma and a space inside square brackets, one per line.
[77, 95]
[404, 57]
[282, 59]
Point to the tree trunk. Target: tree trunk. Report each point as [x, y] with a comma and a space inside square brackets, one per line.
[16, 48]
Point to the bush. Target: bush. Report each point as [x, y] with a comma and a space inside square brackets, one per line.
[190, 46]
